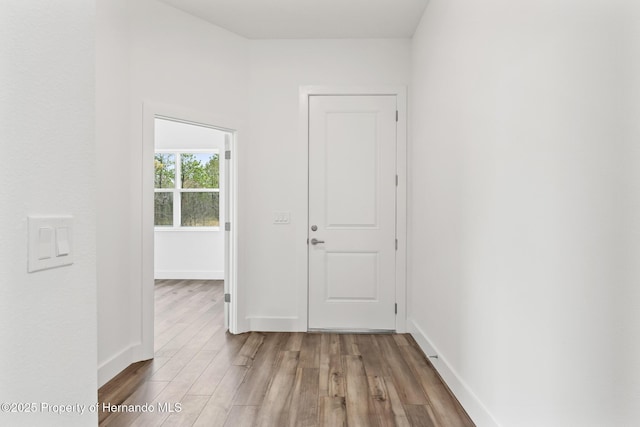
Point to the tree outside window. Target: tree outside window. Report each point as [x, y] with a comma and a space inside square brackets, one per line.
[192, 200]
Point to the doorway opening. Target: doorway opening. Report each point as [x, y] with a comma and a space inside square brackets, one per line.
[189, 207]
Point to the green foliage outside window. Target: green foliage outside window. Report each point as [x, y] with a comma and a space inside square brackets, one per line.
[200, 209]
[163, 207]
[165, 168]
[197, 171]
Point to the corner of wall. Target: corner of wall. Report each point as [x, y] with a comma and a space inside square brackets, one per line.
[467, 398]
[116, 364]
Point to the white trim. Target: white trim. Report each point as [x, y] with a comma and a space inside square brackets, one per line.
[187, 190]
[190, 275]
[227, 240]
[237, 322]
[112, 367]
[275, 324]
[302, 227]
[169, 229]
[401, 211]
[191, 150]
[467, 398]
[147, 233]
[401, 202]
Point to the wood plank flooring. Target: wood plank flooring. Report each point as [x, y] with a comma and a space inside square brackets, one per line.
[203, 376]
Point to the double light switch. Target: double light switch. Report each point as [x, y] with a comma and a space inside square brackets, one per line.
[281, 217]
[50, 242]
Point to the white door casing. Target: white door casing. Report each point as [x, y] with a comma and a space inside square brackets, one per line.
[352, 202]
[224, 158]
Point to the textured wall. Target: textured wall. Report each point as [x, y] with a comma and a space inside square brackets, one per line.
[524, 207]
[48, 318]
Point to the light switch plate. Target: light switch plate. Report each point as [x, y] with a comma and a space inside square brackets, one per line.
[281, 217]
[50, 242]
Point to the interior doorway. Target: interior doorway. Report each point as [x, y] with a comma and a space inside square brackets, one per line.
[189, 206]
[189, 201]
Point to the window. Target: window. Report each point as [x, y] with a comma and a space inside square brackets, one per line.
[187, 189]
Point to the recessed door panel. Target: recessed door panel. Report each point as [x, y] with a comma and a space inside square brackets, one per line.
[352, 277]
[351, 169]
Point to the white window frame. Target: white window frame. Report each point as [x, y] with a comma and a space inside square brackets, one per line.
[177, 190]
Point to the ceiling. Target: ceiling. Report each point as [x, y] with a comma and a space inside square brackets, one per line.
[298, 19]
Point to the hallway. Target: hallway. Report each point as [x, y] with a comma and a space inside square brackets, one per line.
[272, 379]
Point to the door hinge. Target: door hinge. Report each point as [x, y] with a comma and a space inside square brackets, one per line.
[227, 298]
[227, 226]
[396, 244]
[396, 115]
[396, 308]
[227, 154]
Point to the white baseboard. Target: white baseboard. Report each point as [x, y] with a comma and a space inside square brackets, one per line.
[275, 324]
[467, 398]
[116, 364]
[189, 275]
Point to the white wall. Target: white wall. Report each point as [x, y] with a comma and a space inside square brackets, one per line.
[177, 60]
[524, 208]
[523, 254]
[273, 175]
[190, 253]
[114, 170]
[47, 318]
[158, 55]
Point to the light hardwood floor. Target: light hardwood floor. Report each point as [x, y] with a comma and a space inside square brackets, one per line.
[272, 379]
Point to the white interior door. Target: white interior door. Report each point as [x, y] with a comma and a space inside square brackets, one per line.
[352, 212]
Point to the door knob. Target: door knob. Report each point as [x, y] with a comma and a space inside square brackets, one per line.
[315, 241]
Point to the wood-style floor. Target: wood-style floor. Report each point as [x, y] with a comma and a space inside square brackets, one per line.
[272, 379]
